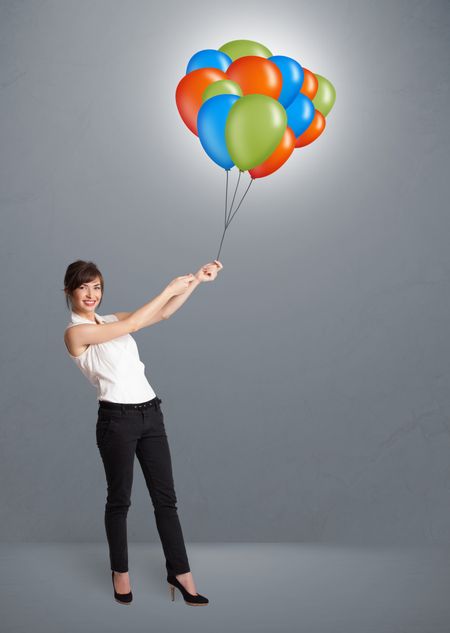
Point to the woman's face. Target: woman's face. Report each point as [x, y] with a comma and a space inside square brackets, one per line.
[87, 297]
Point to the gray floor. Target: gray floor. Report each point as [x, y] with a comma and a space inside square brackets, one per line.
[251, 587]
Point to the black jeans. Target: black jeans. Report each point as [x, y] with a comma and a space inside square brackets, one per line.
[121, 432]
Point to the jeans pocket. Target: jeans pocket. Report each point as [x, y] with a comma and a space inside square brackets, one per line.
[103, 430]
[161, 422]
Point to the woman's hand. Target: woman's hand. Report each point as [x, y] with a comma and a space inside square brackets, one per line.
[180, 284]
[209, 271]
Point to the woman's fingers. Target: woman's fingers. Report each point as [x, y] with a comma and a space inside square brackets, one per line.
[214, 265]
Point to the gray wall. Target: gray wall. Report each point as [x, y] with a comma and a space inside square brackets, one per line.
[306, 392]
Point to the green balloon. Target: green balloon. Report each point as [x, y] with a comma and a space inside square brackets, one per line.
[254, 128]
[241, 48]
[325, 95]
[222, 87]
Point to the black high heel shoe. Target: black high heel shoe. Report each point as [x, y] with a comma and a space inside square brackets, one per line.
[123, 598]
[189, 598]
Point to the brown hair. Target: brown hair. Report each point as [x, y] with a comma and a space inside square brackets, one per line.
[78, 273]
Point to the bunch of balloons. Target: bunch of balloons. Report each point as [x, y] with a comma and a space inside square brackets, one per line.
[250, 108]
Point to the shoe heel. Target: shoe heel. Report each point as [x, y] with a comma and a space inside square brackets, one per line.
[189, 598]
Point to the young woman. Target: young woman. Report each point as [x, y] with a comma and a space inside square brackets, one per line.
[130, 421]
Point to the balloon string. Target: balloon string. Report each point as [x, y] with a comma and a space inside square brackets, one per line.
[235, 191]
[245, 193]
[228, 222]
[220, 247]
[226, 197]
[226, 204]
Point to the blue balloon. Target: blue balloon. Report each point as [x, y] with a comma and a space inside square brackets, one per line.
[300, 114]
[209, 58]
[292, 78]
[211, 121]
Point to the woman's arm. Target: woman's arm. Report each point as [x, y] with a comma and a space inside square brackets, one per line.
[172, 297]
[176, 302]
[205, 273]
[150, 312]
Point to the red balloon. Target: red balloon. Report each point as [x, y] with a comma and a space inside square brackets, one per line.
[313, 131]
[256, 75]
[310, 84]
[189, 93]
[277, 158]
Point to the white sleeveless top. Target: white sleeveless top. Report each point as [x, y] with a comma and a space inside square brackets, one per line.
[114, 367]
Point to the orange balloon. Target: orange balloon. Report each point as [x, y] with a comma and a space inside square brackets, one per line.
[313, 131]
[189, 93]
[277, 158]
[256, 75]
[310, 84]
